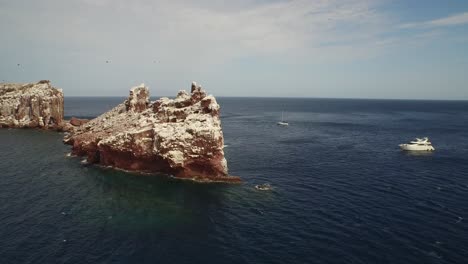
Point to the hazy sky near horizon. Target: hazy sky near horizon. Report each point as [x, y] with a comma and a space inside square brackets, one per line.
[315, 48]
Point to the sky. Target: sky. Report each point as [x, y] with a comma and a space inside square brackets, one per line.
[390, 49]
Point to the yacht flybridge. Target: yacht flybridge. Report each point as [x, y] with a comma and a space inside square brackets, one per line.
[419, 144]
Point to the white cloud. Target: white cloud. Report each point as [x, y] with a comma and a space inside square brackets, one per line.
[207, 31]
[453, 20]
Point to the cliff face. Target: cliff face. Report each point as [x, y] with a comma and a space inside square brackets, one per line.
[181, 137]
[31, 105]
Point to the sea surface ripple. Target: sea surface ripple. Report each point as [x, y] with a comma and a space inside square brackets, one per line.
[342, 191]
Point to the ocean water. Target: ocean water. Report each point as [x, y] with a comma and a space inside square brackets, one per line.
[342, 191]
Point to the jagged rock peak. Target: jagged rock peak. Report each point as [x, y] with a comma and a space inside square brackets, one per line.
[194, 86]
[197, 93]
[139, 99]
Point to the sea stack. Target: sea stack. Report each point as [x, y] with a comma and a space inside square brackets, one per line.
[31, 105]
[181, 137]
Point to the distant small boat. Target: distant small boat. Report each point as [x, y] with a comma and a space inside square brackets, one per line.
[418, 145]
[263, 187]
[282, 122]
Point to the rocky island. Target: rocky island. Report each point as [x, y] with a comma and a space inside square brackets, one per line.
[181, 137]
[31, 105]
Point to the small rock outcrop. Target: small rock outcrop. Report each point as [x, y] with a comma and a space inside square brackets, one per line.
[180, 137]
[77, 121]
[31, 105]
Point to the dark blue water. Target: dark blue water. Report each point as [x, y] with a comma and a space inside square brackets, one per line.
[343, 192]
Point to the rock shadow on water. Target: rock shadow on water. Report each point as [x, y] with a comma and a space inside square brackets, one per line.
[132, 202]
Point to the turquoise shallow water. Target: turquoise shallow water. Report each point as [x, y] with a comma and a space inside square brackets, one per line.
[343, 192]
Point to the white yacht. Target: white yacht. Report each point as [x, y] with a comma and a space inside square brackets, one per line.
[418, 145]
[282, 122]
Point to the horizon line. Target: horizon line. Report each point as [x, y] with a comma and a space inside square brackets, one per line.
[283, 97]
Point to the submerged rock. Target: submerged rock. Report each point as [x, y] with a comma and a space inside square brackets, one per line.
[31, 105]
[181, 137]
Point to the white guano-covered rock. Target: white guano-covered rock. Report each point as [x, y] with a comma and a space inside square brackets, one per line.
[181, 136]
[31, 105]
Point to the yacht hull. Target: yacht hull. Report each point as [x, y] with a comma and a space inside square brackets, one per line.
[409, 147]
